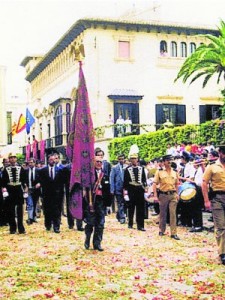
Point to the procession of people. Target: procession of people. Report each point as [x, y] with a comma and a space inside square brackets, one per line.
[184, 184]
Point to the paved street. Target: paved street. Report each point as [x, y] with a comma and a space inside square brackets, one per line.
[134, 265]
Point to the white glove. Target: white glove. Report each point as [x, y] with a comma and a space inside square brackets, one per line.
[126, 198]
[25, 195]
[146, 195]
[5, 194]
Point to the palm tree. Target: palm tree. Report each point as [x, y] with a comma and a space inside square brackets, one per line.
[207, 60]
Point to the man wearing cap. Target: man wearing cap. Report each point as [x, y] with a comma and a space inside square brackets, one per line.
[215, 174]
[168, 181]
[134, 186]
[14, 183]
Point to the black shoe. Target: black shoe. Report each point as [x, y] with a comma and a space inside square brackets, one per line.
[196, 229]
[130, 226]
[48, 228]
[141, 229]
[12, 232]
[175, 237]
[80, 229]
[122, 221]
[71, 227]
[22, 232]
[222, 257]
[87, 244]
[99, 248]
[56, 230]
[29, 221]
[35, 220]
[161, 233]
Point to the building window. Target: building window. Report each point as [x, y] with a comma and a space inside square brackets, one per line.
[163, 48]
[209, 112]
[192, 48]
[10, 127]
[183, 49]
[58, 120]
[170, 112]
[173, 49]
[124, 49]
[68, 117]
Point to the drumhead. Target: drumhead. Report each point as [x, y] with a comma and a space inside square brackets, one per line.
[187, 194]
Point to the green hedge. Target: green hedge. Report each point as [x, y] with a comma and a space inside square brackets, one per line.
[154, 144]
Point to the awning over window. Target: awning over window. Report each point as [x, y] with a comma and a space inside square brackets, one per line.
[125, 94]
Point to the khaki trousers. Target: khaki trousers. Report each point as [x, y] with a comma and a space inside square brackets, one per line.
[166, 201]
[218, 210]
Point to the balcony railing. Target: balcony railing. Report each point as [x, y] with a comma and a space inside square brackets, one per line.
[49, 143]
[58, 140]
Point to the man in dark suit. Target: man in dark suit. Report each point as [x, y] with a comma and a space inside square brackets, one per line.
[13, 183]
[116, 187]
[52, 183]
[106, 167]
[94, 208]
[33, 184]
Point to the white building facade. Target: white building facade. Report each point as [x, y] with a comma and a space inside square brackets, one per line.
[130, 67]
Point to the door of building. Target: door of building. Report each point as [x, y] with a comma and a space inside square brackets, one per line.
[127, 110]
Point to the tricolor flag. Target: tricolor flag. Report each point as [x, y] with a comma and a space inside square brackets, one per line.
[13, 129]
[29, 120]
[21, 125]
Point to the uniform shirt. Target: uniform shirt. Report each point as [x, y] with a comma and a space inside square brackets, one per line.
[216, 174]
[167, 181]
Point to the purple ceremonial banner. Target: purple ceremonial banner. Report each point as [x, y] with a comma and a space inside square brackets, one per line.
[81, 149]
[42, 150]
[28, 150]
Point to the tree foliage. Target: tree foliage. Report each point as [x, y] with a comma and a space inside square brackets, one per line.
[207, 60]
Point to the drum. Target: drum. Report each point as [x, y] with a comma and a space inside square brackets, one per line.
[187, 191]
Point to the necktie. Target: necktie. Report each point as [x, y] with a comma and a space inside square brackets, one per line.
[51, 173]
[31, 177]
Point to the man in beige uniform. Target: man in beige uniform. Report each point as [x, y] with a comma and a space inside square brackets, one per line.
[215, 174]
[168, 181]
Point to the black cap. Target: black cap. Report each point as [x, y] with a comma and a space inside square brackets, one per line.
[185, 155]
[221, 147]
[167, 157]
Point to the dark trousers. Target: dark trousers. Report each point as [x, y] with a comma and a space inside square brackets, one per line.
[14, 209]
[196, 208]
[120, 215]
[52, 212]
[95, 220]
[3, 213]
[15, 212]
[137, 201]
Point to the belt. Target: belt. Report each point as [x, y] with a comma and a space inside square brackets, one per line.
[219, 192]
[167, 193]
[14, 183]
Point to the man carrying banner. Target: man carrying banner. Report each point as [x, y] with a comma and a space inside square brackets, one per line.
[95, 205]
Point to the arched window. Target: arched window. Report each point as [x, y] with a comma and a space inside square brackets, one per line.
[58, 120]
[192, 48]
[68, 117]
[173, 49]
[183, 49]
[163, 48]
